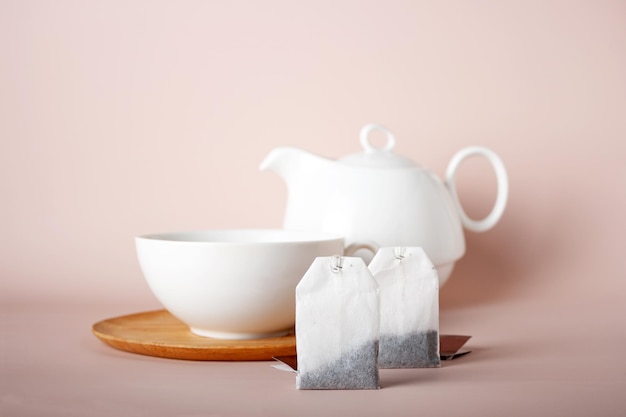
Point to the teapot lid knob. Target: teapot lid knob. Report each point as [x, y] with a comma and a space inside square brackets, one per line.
[375, 156]
[365, 142]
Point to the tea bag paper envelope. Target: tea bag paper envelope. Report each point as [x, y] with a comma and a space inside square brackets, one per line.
[337, 324]
[409, 308]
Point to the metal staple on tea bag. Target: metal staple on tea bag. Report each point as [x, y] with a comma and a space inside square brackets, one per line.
[336, 263]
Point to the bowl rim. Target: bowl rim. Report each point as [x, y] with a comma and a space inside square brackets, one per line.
[245, 236]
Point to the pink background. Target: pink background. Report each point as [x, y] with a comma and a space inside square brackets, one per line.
[120, 118]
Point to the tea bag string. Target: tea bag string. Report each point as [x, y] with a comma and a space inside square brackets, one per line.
[336, 264]
[399, 252]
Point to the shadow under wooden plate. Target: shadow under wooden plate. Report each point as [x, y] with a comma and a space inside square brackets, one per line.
[158, 333]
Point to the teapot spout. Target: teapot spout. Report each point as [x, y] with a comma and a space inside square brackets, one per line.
[285, 161]
[306, 176]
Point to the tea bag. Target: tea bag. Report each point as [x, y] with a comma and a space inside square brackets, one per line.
[409, 308]
[337, 324]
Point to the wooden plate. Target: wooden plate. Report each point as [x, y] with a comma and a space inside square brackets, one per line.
[158, 333]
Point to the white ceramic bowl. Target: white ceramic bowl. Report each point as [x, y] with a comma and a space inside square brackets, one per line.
[232, 284]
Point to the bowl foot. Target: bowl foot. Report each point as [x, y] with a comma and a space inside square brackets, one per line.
[237, 336]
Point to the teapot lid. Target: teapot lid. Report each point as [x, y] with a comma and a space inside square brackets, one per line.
[377, 157]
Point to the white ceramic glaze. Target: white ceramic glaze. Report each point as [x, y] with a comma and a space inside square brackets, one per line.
[232, 284]
[382, 197]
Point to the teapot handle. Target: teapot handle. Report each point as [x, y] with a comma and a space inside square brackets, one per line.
[364, 245]
[502, 181]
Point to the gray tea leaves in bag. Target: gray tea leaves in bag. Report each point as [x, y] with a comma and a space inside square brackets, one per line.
[337, 324]
[409, 308]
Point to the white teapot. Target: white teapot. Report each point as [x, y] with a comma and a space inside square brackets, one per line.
[383, 198]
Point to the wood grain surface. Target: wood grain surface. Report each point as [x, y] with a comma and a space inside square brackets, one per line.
[158, 333]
